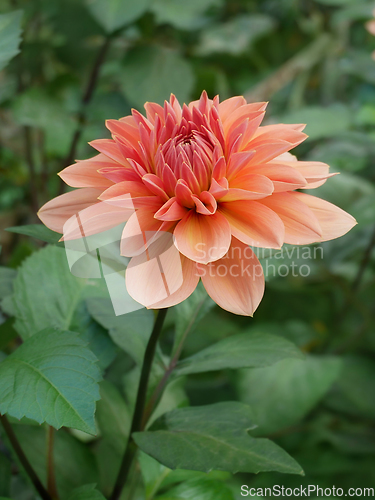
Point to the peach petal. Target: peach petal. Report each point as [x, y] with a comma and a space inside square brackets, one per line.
[301, 225]
[86, 173]
[253, 223]
[284, 178]
[251, 187]
[109, 148]
[56, 212]
[161, 277]
[171, 211]
[333, 221]
[129, 194]
[235, 282]
[203, 238]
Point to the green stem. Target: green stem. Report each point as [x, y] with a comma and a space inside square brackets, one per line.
[44, 495]
[131, 447]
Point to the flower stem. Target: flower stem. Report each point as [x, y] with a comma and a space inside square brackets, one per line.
[51, 477]
[131, 447]
[44, 495]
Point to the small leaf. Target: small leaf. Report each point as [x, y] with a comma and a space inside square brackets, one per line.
[190, 312]
[234, 36]
[183, 15]
[53, 377]
[199, 489]
[37, 231]
[153, 73]
[284, 393]
[114, 14]
[88, 492]
[130, 331]
[244, 350]
[213, 437]
[10, 36]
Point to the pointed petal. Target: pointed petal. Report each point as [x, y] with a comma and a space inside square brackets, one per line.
[171, 211]
[250, 187]
[235, 282]
[333, 221]
[301, 225]
[284, 178]
[161, 277]
[85, 173]
[253, 223]
[56, 212]
[203, 238]
[109, 148]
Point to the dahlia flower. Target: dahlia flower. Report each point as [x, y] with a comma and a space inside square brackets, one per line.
[214, 181]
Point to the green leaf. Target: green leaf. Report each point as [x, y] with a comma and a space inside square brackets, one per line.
[322, 122]
[199, 489]
[350, 394]
[88, 492]
[10, 36]
[5, 475]
[244, 350]
[213, 437]
[7, 277]
[37, 231]
[153, 73]
[284, 393]
[190, 312]
[113, 416]
[183, 15]
[53, 377]
[130, 331]
[114, 14]
[153, 474]
[45, 292]
[235, 36]
[74, 462]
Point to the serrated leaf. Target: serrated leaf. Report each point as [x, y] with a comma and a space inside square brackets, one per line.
[10, 36]
[53, 377]
[282, 394]
[114, 14]
[244, 350]
[37, 231]
[7, 277]
[213, 437]
[190, 312]
[88, 492]
[130, 331]
[153, 73]
[45, 292]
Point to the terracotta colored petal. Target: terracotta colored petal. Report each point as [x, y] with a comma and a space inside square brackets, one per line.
[205, 203]
[56, 212]
[203, 238]
[227, 107]
[129, 194]
[250, 187]
[140, 231]
[109, 148]
[265, 152]
[84, 173]
[284, 178]
[333, 221]
[161, 277]
[301, 225]
[253, 223]
[171, 211]
[315, 172]
[235, 282]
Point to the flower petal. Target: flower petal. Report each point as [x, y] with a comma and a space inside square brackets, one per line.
[235, 282]
[56, 212]
[84, 173]
[301, 225]
[253, 223]
[333, 221]
[203, 238]
[249, 187]
[161, 277]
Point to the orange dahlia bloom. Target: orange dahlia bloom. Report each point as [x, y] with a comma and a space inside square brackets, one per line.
[210, 177]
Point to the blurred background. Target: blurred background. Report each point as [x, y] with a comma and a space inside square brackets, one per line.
[82, 62]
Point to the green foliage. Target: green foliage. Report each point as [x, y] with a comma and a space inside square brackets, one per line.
[213, 437]
[38, 231]
[115, 14]
[10, 36]
[53, 377]
[86, 493]
[199, 489]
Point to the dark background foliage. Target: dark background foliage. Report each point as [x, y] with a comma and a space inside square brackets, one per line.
[82, 62]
